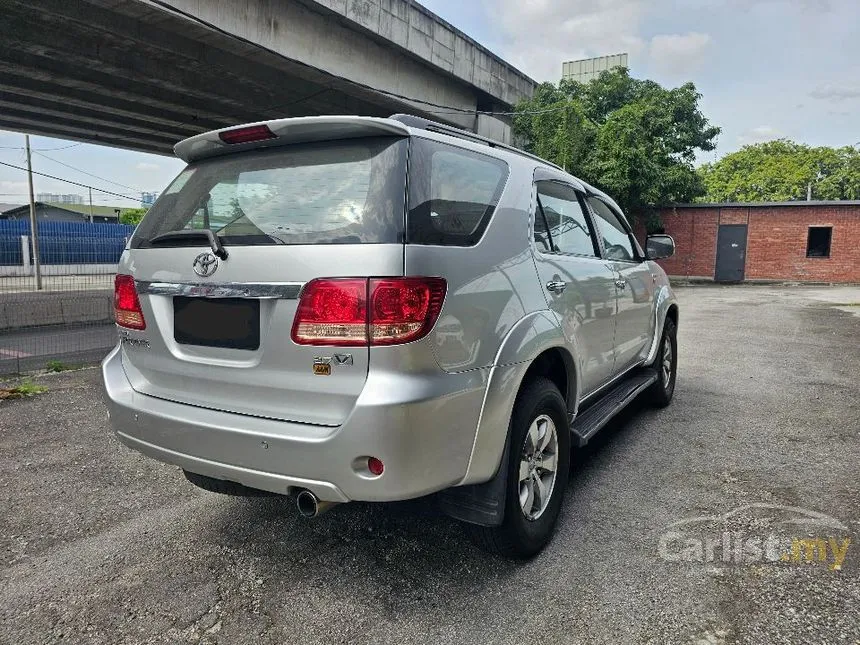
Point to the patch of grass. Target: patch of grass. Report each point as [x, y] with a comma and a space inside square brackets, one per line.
[58, 366]
[25, 388]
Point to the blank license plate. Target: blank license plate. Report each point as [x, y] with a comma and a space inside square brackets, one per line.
[233, 323]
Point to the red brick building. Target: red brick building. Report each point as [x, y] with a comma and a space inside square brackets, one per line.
[795, 241]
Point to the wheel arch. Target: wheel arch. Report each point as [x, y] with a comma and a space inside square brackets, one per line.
[535, 346]
[556, 364]
[672, 313]
[665, 307]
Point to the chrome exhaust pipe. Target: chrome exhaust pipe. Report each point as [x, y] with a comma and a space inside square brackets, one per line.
[310, 505]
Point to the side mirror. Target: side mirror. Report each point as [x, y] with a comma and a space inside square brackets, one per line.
[658, 247]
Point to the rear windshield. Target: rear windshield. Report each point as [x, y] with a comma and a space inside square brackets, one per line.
[344, 192]
[452, 193]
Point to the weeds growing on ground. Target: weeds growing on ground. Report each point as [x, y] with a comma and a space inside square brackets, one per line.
[58, 366]
[25, 388]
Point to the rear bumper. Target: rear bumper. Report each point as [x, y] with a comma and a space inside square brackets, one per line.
[423, 430]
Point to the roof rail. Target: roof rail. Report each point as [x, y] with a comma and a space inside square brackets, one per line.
[434, 126]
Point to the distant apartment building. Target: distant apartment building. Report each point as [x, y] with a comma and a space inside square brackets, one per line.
[57, 198]
[588, 69]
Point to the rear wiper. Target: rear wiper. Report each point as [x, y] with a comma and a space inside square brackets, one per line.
[193, 234]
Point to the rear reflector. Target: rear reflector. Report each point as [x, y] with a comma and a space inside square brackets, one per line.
[375, 466]
[126, 304]
[335, 311]
[247, 134]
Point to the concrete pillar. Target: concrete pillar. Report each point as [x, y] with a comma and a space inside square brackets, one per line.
[495, 128]
[25, 253]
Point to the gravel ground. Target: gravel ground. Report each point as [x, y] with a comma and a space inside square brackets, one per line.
[99, 544]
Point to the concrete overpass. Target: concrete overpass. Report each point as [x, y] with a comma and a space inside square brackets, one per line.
[142, 74]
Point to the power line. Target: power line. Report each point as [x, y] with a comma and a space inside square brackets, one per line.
[74, 145]
[84, 172]
[69, 181]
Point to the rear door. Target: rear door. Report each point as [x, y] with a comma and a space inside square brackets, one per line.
[218, 330]
[579, 286]
[634, 285]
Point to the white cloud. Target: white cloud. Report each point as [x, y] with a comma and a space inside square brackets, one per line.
[836, 91]
[677, 55]
[145, 166]
[759, 134]
[540, 34]
[12, 189]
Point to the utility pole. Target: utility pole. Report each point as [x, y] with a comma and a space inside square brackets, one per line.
[34, 229]
[91, 205]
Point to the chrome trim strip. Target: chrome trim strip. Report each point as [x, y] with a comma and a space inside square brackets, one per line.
[262, 290]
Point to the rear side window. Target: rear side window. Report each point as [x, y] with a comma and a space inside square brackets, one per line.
[345, 192]
[452, 193]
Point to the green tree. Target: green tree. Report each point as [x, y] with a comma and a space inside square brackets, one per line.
[783, 170]
[632, 138]
[132, 216]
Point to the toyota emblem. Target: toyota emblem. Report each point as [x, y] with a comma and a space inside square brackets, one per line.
[205, 265]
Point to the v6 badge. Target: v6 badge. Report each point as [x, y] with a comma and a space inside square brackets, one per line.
[322, 364]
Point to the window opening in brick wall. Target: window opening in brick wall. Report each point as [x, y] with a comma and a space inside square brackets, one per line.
[818, 241]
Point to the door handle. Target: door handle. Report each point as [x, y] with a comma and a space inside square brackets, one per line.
[556, 286]
[621, 284]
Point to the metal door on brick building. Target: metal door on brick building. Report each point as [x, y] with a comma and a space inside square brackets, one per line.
[731, 253]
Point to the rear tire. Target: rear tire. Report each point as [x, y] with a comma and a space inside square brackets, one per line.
[529, 522]
[224, 487]
[660, 393]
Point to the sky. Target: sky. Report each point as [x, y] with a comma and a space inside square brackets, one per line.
[765, 68]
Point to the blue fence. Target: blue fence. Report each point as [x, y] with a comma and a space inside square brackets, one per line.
[65, 242]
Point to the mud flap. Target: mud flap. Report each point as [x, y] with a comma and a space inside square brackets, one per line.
[482, 504]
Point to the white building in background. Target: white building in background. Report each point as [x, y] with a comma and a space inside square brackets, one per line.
[588, 69]
[56, 198]
[148, 199]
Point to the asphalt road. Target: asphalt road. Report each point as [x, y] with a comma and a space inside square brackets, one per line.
[101, 545]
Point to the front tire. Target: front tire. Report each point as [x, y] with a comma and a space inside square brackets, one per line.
[538, 467]
[666, 364]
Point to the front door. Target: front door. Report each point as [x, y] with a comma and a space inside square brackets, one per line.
[578, 285]
[634, 322]
[731, 253]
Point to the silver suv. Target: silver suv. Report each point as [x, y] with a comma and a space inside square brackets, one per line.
[350, 308]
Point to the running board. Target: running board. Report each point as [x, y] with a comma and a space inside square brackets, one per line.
[587, 424]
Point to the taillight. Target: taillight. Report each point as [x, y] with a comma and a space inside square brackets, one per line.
[335, 311]
[126, 304]
[332, 312]
[403, 309]
[247, 134]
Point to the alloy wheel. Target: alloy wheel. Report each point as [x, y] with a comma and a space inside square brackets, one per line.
[538, 465]
[667, 362]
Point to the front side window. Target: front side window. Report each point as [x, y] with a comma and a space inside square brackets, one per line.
[344, 192]
[453, 193]
[561, 221]
[616, 240]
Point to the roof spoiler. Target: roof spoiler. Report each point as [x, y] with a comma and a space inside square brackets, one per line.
[281, 132]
